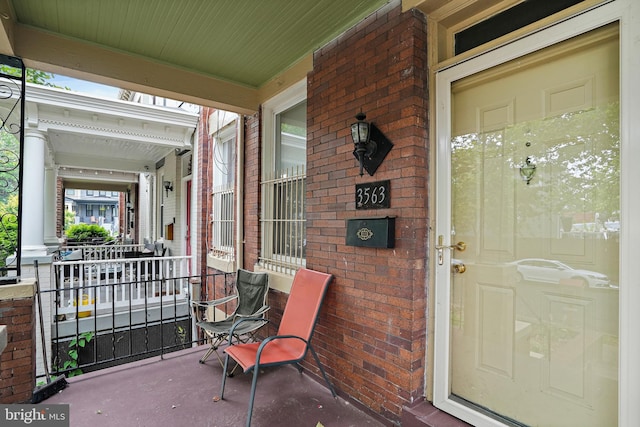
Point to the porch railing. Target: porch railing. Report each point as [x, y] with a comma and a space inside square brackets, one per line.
[94, 286]
[102, 252]
[110, 312]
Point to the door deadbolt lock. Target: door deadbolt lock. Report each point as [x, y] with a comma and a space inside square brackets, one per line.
[459, 268]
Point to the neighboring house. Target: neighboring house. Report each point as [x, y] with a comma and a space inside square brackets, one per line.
[94, 207]
[163, 213]
[103, 159]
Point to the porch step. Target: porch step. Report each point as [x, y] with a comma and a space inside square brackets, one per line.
[424, 414]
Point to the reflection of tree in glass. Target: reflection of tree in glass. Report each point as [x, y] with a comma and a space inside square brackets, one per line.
[581, 153]
[577, 158]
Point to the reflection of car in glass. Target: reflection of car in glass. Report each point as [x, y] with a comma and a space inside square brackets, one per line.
[550, 271]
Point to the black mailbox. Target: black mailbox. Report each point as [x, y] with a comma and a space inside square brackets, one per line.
[372, 232]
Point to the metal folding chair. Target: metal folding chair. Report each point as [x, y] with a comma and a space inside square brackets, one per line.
[251, 295]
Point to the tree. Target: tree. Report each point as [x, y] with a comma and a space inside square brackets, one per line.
[69, 219]
[32, 76]
[8, 228]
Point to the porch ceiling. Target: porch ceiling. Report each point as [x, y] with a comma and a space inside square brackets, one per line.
[105, 140]
[229, 54]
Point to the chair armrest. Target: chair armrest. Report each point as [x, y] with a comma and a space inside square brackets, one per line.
[260, 312]
[273, 338]
[214, 302]
[201, 306]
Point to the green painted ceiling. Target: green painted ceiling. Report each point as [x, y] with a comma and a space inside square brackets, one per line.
[247, 42]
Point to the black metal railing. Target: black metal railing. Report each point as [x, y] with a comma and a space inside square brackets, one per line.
[90, 339]
[12, 100]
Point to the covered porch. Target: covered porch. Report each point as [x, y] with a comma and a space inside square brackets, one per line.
[389, 327]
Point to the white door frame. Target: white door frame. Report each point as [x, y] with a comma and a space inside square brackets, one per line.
[627, 12]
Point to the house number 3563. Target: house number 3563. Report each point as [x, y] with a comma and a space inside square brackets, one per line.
[373, 195]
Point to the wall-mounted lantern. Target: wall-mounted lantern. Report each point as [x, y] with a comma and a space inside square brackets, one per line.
[168, 186]
[371, 146]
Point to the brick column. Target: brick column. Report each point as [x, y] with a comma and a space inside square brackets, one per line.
[18, 361]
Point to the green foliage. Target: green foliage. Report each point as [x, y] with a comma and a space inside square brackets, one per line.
[33, 76]
[8, 228]
[69, 219]
[9, 157]
[39, 77]
[87, 232]
[182, 334]
[74, 347]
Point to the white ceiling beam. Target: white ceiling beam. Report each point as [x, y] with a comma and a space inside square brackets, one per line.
[102, 163]
[48, 52]
[6, 28]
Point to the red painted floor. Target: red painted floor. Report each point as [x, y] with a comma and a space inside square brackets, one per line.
[178, 391]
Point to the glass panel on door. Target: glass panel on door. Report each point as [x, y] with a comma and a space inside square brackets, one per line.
[536, 198]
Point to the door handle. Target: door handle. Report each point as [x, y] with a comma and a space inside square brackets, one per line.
[440, 247]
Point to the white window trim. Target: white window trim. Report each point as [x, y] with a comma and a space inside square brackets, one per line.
[270, 109]
[223, 126]
[290, 97]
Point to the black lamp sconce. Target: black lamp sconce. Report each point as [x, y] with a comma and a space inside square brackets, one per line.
[168, 186]
[371, 146]
[528, 170]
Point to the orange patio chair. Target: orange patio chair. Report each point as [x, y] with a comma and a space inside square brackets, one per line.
[293, 339]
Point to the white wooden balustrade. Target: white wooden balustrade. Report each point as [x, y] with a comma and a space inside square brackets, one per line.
[101, 252]
[100, 286]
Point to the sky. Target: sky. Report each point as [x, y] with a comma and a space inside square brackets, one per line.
[86, 87]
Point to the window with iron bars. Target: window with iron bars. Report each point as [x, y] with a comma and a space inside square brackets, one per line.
[222, 223]
[283, 221]
[223, 161]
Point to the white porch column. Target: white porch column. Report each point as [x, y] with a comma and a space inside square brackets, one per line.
[50, 207]
[32, 225]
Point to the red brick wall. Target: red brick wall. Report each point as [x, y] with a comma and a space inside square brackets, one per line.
[203, 197]
[251, 224]
[18, 361]
[220, 286]
[371, 334]
[211, 287]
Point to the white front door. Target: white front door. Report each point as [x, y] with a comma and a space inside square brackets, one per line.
[529, 178]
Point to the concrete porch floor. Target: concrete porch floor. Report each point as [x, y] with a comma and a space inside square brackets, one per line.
[178, 391]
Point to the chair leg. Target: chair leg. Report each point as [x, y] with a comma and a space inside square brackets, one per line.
[207, 354]
[315, 356]
[256, 370]
[224, 375]
[215, 343]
